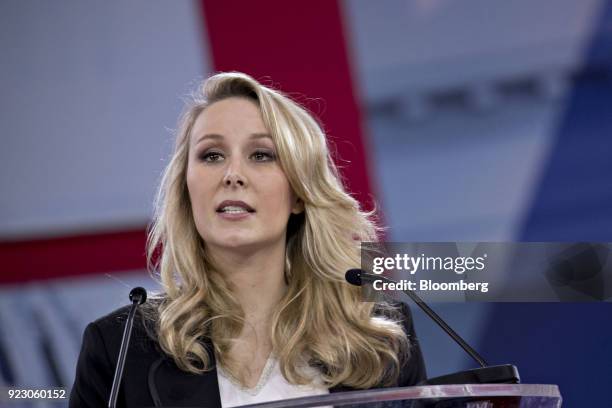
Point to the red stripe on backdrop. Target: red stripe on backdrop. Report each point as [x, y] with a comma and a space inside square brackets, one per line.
[25, 261]
[301, 47]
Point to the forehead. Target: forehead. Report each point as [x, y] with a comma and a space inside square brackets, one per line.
[229, 117]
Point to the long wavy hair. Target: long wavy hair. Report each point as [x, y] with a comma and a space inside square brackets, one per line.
[321, 321]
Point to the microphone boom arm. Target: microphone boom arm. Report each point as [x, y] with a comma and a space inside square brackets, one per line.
[137, 296]
[434, 316]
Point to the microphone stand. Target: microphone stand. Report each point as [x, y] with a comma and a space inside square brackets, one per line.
[137, 296]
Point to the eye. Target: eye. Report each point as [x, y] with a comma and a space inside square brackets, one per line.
[263, 156]
[211, 157]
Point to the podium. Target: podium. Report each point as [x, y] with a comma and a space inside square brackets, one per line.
[433, 396]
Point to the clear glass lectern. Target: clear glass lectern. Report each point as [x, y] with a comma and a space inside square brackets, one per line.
[434, 396]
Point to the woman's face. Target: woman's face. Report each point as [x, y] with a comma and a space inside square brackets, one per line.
[240, 196]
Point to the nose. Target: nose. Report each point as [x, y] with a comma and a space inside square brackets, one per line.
[234, 176]
[233, 180]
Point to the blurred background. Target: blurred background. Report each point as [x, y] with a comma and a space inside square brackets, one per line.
[464, 120]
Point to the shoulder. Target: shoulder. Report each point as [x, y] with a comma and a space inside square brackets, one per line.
[400, 313]
[107, 331]
[103, 332]
[112, 321]
[413, 365]
[99, 354]
[145, 318]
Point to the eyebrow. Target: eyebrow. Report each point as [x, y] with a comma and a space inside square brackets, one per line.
[215, 136]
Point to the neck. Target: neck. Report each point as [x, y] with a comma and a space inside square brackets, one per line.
[257, 278]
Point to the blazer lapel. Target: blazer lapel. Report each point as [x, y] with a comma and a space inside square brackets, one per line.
[171, 386]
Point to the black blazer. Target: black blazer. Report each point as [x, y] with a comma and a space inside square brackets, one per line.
[152, 379]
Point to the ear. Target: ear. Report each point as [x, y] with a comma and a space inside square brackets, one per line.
[298, 206]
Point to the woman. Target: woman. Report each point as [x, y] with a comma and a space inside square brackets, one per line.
[253, 233]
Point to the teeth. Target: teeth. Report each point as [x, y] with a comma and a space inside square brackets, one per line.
[233, 210]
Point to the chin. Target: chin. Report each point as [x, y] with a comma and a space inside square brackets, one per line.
[235, 241]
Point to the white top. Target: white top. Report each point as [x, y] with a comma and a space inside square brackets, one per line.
[271, 386]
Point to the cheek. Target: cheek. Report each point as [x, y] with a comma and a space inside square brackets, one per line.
[199, 197]
[278, 195]
[199, 189]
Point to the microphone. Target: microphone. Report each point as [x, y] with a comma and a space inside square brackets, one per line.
[486, 374]
[138, 296]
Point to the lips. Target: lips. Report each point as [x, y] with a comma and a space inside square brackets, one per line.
[230, 206]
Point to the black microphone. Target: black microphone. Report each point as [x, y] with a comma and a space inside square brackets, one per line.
[138, 296]
[486, 374]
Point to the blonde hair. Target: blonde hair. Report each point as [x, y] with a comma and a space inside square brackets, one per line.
[321, 321]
